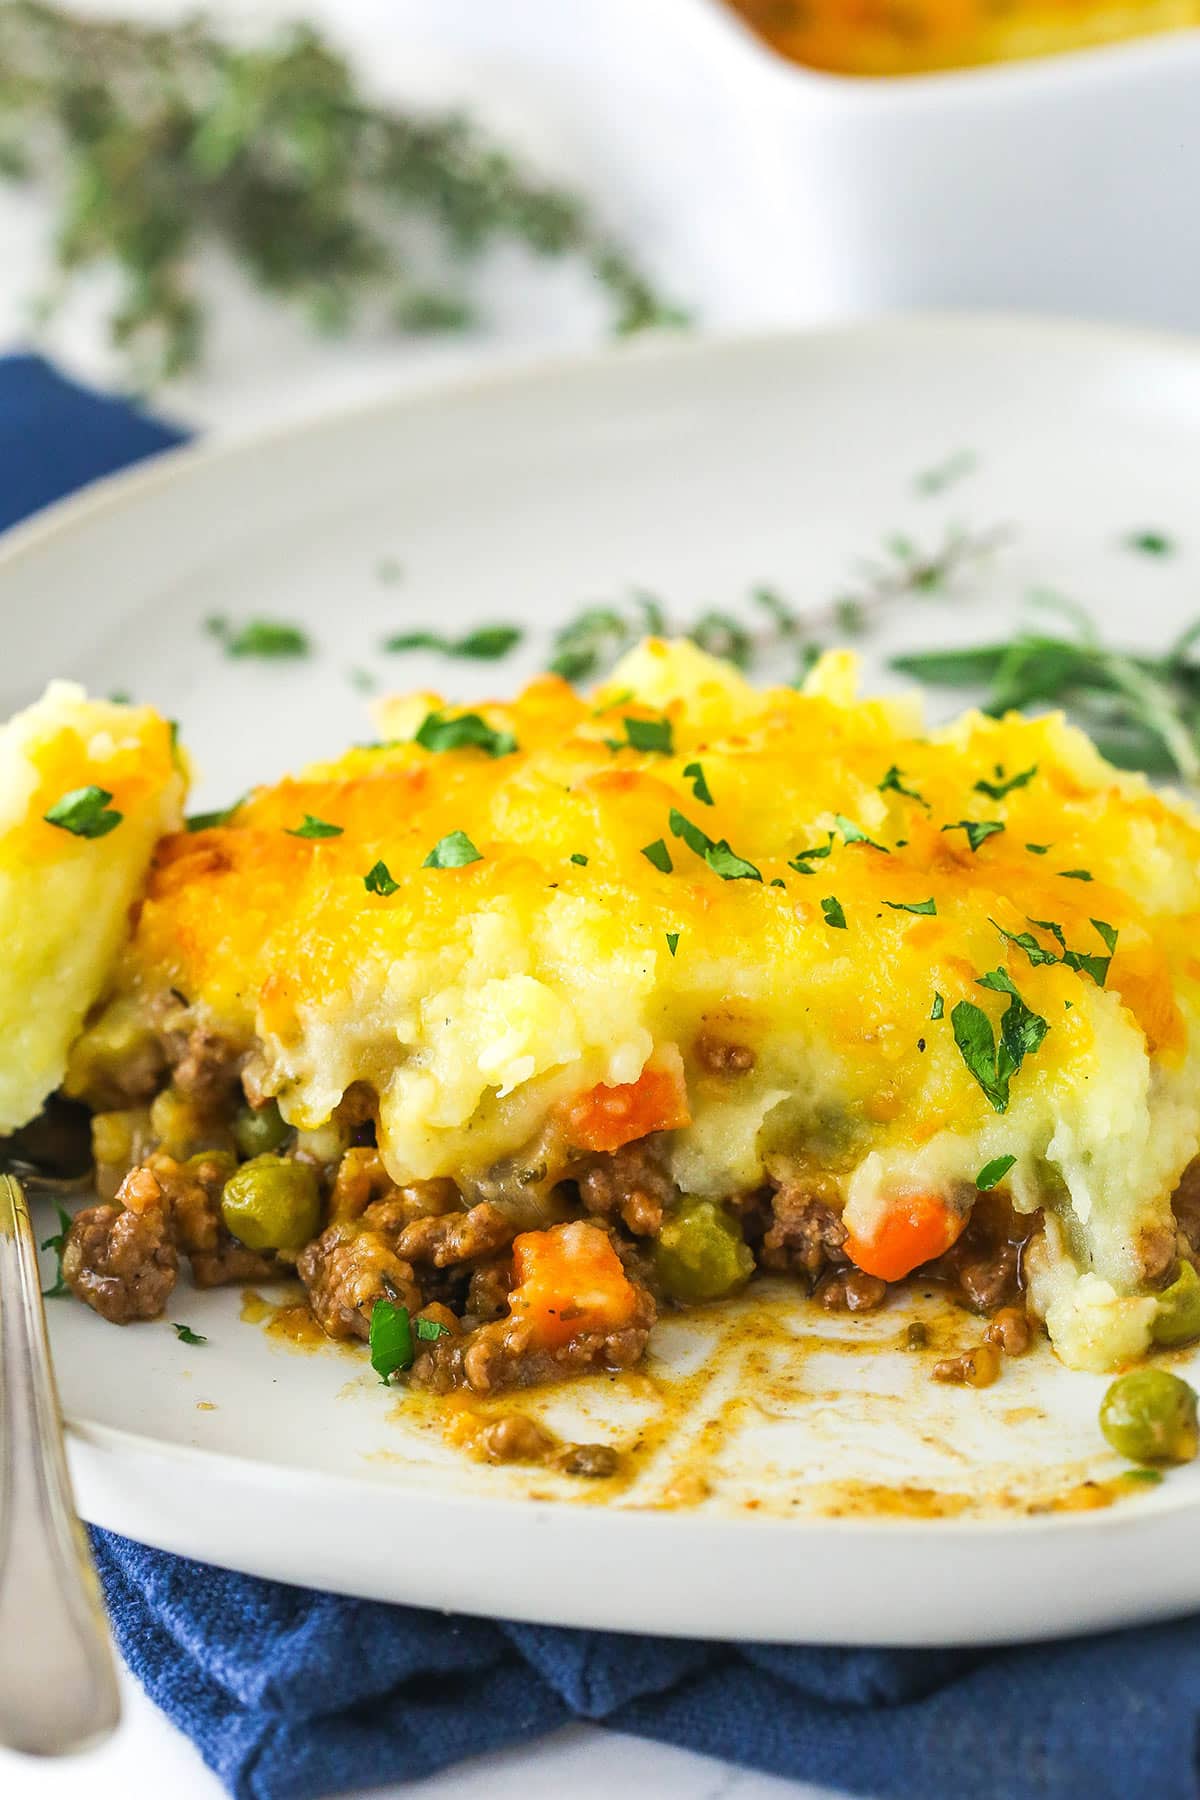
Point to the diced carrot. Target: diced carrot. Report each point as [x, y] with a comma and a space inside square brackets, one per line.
[606, 1117]
[570, 1280]
[914, 1229]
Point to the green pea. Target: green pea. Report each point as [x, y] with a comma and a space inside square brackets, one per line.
[700, 1253]
[271, 1203]
[1177, 1320]
[258, 1130]
[1150, 1417]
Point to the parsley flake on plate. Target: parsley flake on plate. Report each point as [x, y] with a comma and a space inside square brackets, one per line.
[1150, 543]
[672, 941]
[186, 1335]
[487, 643]
[58, 1244]
[854, 834]
[938, 1008]
[721, 859]
[802, 858]
[927, 907]
[978, 830]
[312, 827]
[893, 783]
[454, 851]
[994, 1172]
[651, 736]
[834, 915]
[577, 856]
[378, 880]
[1076, 874]
[273, 639]
[85, 813]
[209, 821]
[439, 732]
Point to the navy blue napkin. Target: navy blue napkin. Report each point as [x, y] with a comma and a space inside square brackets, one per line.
[290, 1694]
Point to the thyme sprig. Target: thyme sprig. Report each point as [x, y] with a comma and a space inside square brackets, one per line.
[161, 140]
[1142, 712]
[588, 644]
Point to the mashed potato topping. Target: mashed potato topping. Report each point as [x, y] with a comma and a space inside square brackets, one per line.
[909, 964]
[66, 889]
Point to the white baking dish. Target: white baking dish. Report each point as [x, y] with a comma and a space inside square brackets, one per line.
[1064, 184]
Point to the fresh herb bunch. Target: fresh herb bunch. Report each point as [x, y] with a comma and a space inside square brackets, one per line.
[592, 641]
[163, 139]
[1142, 712]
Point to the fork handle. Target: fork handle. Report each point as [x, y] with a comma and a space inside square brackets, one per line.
[58, 1685]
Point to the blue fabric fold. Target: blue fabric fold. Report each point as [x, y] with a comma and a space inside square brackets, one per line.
[291, 1695]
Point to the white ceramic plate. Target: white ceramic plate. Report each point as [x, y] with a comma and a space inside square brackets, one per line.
[694, 471]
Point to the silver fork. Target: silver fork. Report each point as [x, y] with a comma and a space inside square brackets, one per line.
[58, 1683]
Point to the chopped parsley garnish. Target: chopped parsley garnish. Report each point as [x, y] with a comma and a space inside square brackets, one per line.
[1004, 784]
[430, 1330]
[700, 788]
[465, 731]
[913, 906]
[487, 643]
[454, 851]
[1039, 849]
[1082, 961]
[854, 834]
[85, 813]
[993, 1172]
[209, 821]
[802, 858]
[260, 637]
[577, 856]
[992, 1063]
[378, 880]
[834, 915]
[313, 828]
[658, 854]
[652, 736]
[722, 860]
[978, 830]
[58, 1244]
[1150, 543]
[893, 783]
[1076, 874]
[390, 1339]
[672, 941]
[186, 1335]
[938, 1009]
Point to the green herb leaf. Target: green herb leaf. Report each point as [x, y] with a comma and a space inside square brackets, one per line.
[378, 880]
[728, 865]
[270, 638]
[487, 643]
[938, 1009]
[1039, 849]
[1076, 874]
[440, 732]
[834, 915]
[390, 1339]
[58, 1244]
[803, 857]
[978, 830]
[928, 907]
[1150, 543]
[314, 828]
[993, 1064]
[993, 1172]
[211, 821]
[697, 841]
[577, 856]
[651, 736]
[454, 851]
[186, 1335]
[854, 834]
[695, 774]
[430, 1330]
[893, 783]
[84, 813]
[1002, 786]
[672, 941]
[658, 854]
[1025, 940]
